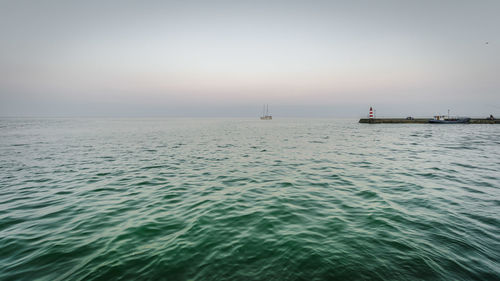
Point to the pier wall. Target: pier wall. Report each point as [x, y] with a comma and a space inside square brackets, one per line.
[420, 121]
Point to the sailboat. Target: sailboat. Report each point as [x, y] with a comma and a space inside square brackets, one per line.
[265, 113]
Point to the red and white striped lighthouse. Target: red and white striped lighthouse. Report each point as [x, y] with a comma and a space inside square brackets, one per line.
[371, 113]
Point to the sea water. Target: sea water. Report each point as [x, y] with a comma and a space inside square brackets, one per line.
[245, 199]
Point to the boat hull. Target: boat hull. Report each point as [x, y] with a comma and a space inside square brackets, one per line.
[456, 121]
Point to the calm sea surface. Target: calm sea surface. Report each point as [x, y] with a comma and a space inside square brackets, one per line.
[244, 199]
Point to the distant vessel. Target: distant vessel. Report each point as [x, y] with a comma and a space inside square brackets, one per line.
[443, 119]
[265, 113]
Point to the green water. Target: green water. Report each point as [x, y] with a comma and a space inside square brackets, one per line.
[224, 199]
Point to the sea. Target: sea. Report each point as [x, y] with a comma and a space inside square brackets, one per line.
[246, 199]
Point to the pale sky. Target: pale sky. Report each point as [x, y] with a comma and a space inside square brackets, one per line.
[227, 58]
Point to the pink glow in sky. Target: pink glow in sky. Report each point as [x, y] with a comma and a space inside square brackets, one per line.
[181, 58]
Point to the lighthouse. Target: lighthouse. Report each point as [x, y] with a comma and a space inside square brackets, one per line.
[371, 112]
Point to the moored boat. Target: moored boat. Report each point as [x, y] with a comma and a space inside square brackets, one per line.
[443, 119]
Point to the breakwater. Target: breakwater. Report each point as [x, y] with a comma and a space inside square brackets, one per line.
[422, 120]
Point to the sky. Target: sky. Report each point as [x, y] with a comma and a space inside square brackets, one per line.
[228, 58]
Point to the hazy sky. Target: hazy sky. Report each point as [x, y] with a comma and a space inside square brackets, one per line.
[227, 58]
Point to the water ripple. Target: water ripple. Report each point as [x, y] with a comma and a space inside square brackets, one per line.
[193, 199]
